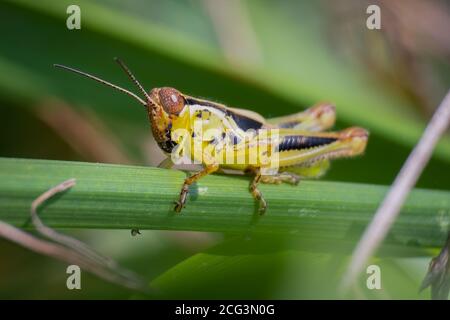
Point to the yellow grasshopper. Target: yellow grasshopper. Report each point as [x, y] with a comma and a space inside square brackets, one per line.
[275, 150]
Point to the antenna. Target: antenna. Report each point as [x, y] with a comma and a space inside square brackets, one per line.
[103, 82]
[133, 78]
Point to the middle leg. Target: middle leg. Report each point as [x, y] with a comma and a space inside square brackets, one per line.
[256, 193]
[179, 205]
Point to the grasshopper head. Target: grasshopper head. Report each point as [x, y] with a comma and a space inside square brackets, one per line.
[163, 106]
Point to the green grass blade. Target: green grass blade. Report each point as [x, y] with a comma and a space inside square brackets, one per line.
[279, 268]
[113, 196]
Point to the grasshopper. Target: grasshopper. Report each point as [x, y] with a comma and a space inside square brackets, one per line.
[299, 142]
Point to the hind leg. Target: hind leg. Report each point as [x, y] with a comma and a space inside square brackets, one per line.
[320, 117]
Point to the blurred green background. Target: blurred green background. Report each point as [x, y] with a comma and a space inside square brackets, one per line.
[273, 57]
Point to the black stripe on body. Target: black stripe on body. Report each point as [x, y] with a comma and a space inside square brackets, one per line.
[243, 122]
[303, 142]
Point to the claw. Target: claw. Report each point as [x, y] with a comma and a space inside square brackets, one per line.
[178, 206]
[262, 206]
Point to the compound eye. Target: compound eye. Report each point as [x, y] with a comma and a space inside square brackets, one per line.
[171, 100]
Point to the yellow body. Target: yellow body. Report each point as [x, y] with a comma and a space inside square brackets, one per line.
[196, 121]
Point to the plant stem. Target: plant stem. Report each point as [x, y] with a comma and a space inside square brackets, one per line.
[406, 179]
[126, 197]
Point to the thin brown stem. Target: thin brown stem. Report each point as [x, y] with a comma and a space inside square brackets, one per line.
[69, 249]
[404, 182]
